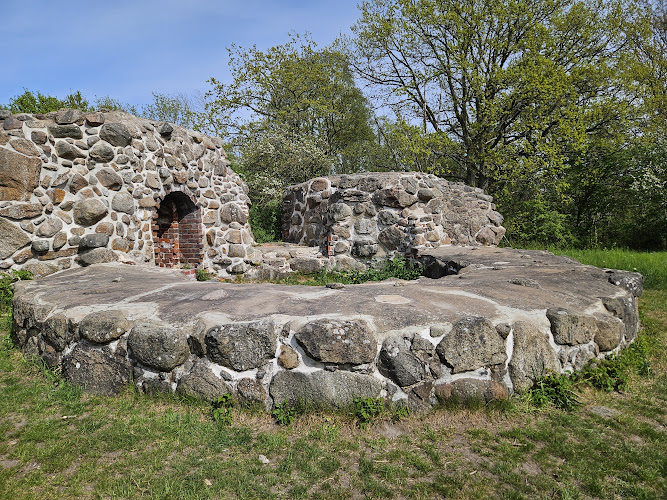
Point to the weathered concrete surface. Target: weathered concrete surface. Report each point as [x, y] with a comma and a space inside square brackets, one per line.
[510, 290]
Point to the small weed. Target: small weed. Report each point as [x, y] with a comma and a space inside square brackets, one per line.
[553, 389]
[613, 373]
[637, 355]
[284, 413]
[607, 374]
[202, 275]
[6, 282]
[398, 412]
[367, 409]
[222, 410]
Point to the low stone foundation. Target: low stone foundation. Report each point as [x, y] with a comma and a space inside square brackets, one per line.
[493, 322]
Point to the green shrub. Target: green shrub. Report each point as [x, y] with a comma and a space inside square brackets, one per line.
[222, 409]
[265, 221]
[613, 372]
[399, 268]
[535, 221]
[398, 412]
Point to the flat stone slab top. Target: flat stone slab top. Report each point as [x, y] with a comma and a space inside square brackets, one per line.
[492, 322]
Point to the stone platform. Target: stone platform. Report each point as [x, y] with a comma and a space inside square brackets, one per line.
[504, 319]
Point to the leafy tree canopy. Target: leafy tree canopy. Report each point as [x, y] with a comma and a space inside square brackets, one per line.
[36, 103]
[31, 102]
[514, 83]
[297, 89]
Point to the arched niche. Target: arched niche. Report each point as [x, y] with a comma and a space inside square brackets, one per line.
[177, 232]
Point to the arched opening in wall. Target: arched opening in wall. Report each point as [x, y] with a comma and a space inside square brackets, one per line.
[177, 232]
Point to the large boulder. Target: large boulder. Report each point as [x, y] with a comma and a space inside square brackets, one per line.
[323, 388]
[19, 175]
[397, 362]
[473, 343]
[571, 328]
[305, 265]
[339, 211]
[96, 370]
[110, 179]
[11, 238]
[532, 357]
[56, 331]
[49, 227]
[338, 341]
[96, 256]
[158, 346]
[67, 151]
[94, 240]
[470, 389]
[394, 197]
[22, 211]
[608, 333]
[116, 134]
[231, 212]
[104, 326]
[251, 392]
[202, 383]
[391, 238]
[88, 212]
[123, 202]
[64, 131]
[40, 269]
[625, 309]
[68, 116]
[242, 346]
[101, 152]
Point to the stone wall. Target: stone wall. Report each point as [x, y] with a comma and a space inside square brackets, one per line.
[507, 318]
[379, 215]
[77, 189]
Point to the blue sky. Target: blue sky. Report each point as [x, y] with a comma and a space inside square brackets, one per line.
[129, 49]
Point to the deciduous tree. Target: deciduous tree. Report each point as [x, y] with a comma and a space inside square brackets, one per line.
[515, 83]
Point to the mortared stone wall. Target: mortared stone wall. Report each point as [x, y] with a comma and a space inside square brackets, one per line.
[82, 188]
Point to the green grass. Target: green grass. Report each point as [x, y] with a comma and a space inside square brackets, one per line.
[653, 265]
[57, 442]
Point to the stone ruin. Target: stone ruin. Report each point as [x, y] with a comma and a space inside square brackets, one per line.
[111, 189]
[78, 189]
[496, 324]
[385, 214]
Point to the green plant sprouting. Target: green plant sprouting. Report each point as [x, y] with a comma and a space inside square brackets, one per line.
[284, 413]
[202, 275]
[553, 389]
[222, 410]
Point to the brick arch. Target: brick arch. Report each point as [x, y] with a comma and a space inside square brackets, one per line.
[177, 231]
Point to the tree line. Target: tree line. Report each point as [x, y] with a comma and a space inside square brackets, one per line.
[557, 108]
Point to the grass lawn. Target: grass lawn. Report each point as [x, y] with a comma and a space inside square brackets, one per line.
[59, 443]
[653, 265]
